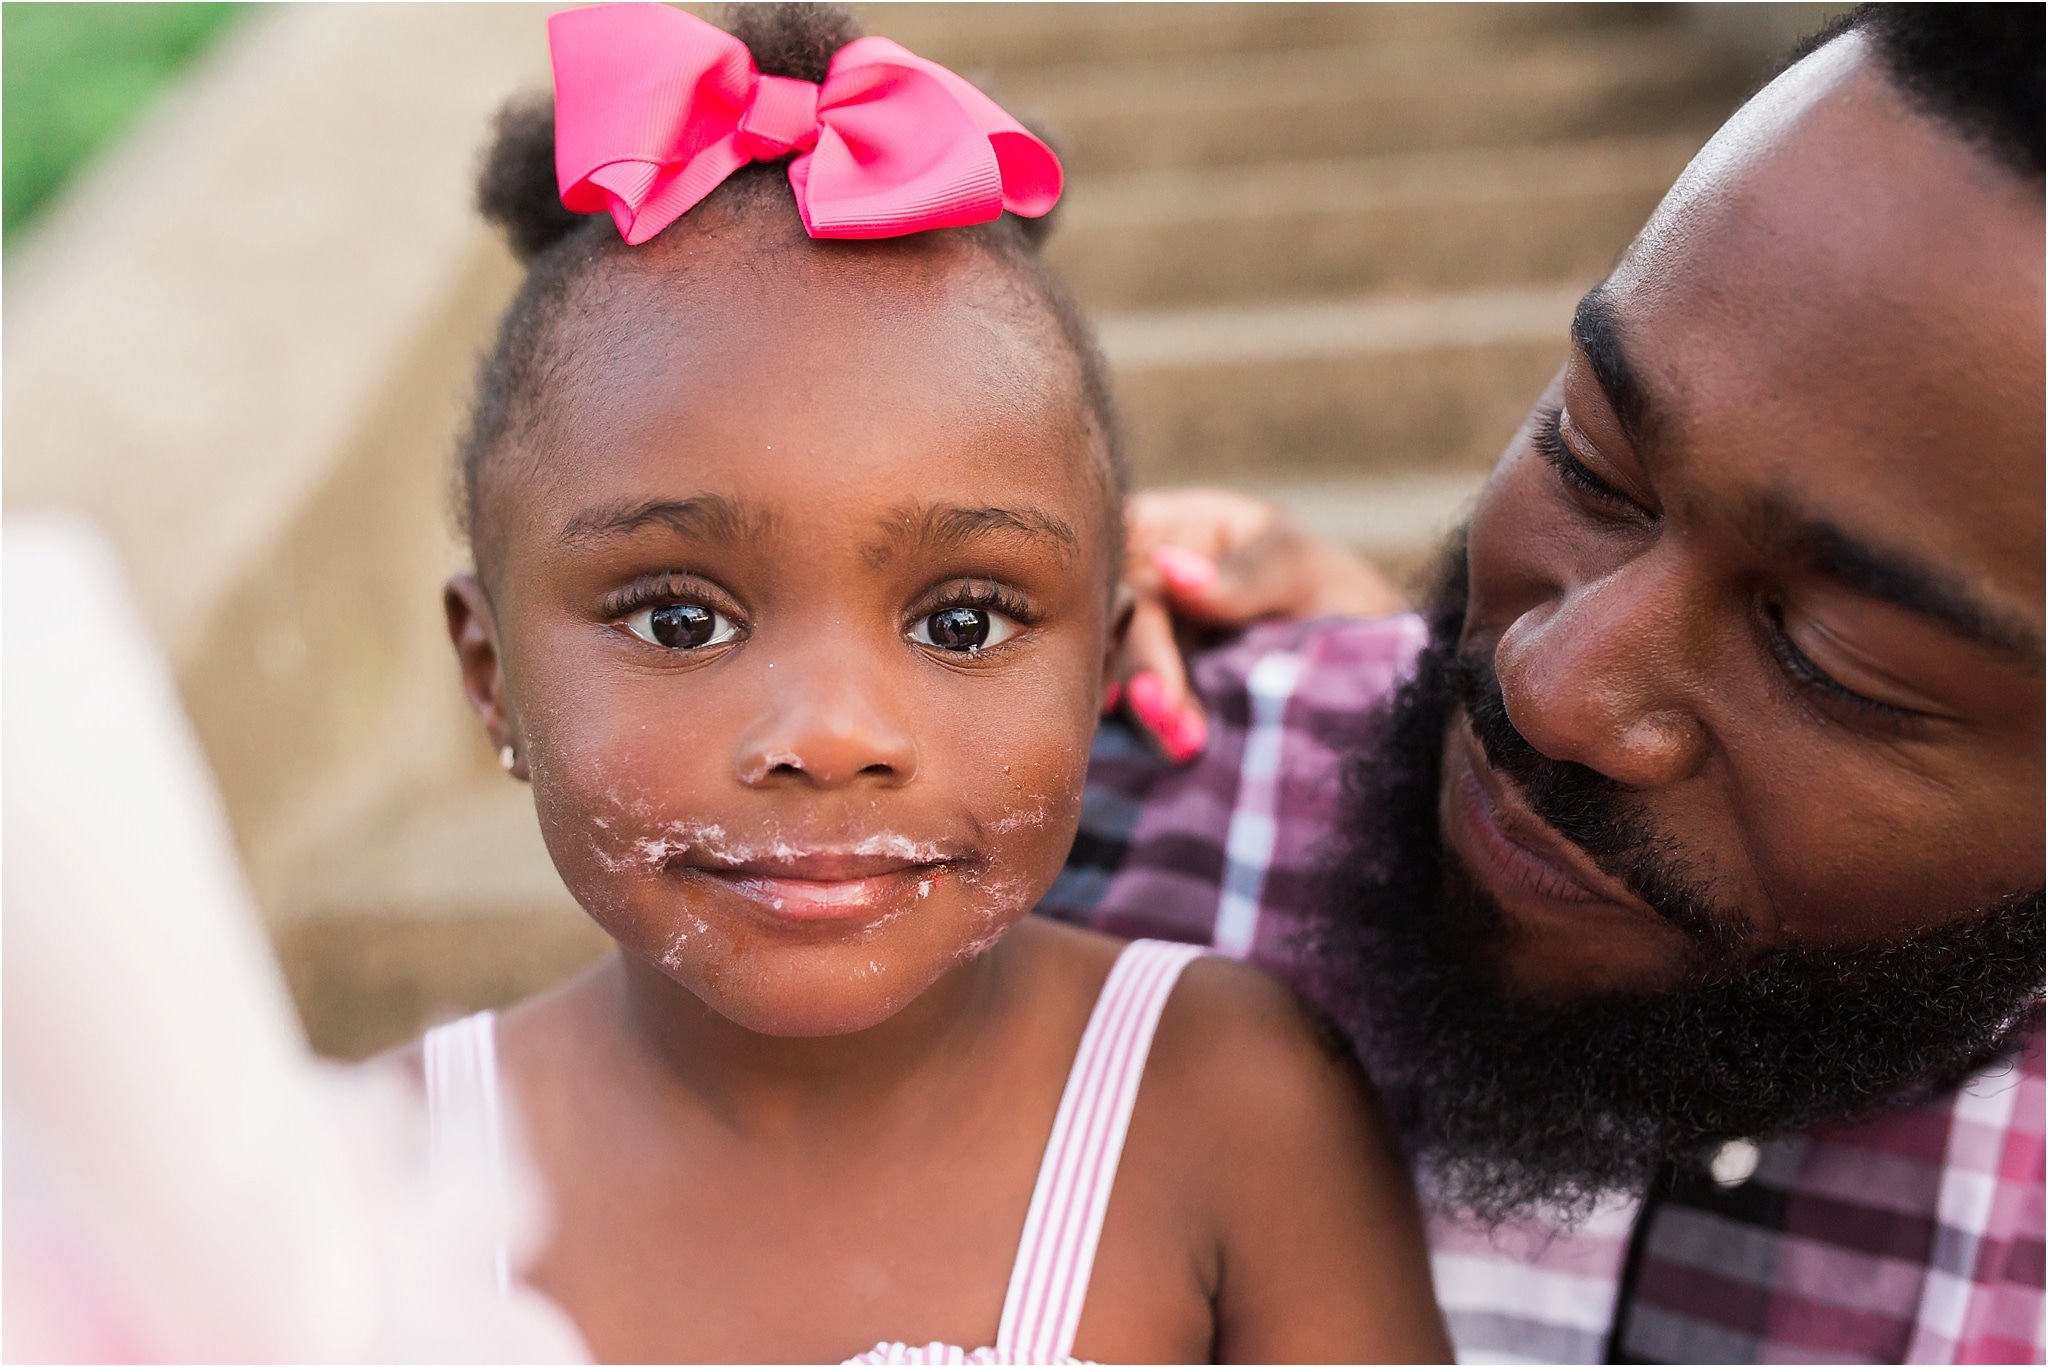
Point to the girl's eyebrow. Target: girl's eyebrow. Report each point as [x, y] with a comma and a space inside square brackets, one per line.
[952, 525]
[705, 517]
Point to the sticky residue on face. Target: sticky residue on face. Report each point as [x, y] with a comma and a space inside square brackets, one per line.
[1022, 818]
[711, 842]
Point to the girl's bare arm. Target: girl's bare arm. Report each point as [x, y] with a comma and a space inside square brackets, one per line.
[1321, 1254]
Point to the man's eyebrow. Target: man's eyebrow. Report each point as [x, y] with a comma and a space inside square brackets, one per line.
[705, 517]
[951, 525]
[1900, 579]
[1597, 332]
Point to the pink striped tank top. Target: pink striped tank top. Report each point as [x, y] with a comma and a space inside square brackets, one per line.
[1062, 1227]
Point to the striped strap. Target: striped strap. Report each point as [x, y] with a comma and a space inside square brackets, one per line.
[1042, 1312]
[465, 1113]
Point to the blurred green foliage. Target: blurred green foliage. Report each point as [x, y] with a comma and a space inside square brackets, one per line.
[73, 75]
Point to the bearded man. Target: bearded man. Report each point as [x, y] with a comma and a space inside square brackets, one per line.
[1678, 871]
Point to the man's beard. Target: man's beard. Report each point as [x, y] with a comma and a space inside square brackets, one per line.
[1514, 1104]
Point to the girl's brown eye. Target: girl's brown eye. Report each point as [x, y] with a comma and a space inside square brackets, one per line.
[963, 629]
[681, 626]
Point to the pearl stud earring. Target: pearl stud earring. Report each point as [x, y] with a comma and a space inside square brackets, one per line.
[507, 757]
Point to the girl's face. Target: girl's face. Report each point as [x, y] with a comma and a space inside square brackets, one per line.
[799, 620]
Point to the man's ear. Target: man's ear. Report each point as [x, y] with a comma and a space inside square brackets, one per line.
[474, 633]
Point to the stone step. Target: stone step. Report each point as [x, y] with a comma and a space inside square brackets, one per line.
[1397, 521]
[1342, 101]
[1002, 38]
[1459, 219]
[472, 847]
[257, 404]
[1333, 389]
[438, 903]
[364, 984]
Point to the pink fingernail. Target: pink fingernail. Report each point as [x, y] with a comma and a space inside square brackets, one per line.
[1189, 736]
[1186, 570]
[1146, 693]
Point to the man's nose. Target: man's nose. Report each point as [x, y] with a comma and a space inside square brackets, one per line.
[826, 723]
[1606, 676]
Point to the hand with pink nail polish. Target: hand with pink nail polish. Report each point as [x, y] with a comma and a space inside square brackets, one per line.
[1184, 571]
[1204, 563]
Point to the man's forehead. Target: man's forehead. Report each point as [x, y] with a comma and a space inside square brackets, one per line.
[1827, 199]
[1839, 309]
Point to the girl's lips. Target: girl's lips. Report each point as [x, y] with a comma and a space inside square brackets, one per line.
[1510, 849]
[823, 886]
[814, 866]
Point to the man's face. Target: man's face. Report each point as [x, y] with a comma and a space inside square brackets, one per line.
[1714, 807]
[1762, 575]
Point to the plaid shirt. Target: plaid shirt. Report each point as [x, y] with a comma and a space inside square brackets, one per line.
[1916, 1237]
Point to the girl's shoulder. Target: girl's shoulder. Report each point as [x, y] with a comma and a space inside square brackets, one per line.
[1225, 1022]
[1239, 1047]
[1054, 960]
[1254, 1098]
[1264, 1130]
[1239, 1057]
[1257, 1148]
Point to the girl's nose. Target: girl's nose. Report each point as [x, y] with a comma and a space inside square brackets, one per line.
[826, 731]
[1605, 678]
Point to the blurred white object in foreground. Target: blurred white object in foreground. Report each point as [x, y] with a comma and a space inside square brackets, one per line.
[184, 1181]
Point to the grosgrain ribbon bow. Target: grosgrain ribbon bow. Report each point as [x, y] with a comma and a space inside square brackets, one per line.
[655, 107]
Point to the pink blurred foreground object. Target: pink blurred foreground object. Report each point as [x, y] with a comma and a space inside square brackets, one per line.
[654, 108]
[185, 1181]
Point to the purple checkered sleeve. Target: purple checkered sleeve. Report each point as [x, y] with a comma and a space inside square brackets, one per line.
[1916, 1237]
[1221, 851]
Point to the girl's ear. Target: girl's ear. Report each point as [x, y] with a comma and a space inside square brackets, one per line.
[475, 635]
[1122, 604]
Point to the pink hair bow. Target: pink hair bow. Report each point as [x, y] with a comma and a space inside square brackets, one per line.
[654, 108]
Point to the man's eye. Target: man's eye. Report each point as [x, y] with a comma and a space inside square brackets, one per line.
[963, 629]
[681, 626]
[1548, 435]
[1810, 676]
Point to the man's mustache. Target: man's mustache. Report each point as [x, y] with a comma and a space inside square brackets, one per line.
[1587, 808]
[1583, 805]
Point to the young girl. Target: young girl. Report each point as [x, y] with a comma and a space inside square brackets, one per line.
[796, 517]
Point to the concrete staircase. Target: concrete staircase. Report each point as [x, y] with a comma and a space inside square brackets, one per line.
[1331, 250]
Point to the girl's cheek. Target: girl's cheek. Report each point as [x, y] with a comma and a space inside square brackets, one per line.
[606, 779]
[1029, 803]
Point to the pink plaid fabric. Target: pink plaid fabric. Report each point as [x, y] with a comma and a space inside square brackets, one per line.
[1913, 1238]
